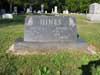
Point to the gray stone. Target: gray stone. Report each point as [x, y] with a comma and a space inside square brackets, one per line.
[23, 45]
[50, 29]
[34, 11]
[48, 33]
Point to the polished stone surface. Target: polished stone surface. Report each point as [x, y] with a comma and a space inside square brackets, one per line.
[50, 29]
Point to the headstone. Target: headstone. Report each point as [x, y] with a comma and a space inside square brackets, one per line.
[55, 10]
[38, 12]
[52, 11]
[29, 10]
[94, 17]
[94, 12]
[65, 12]
[48, 33]
[46, 12]
[50, 29]
[94, 8]
[34, 11]
[15, 10]
[7, 16]
[42, 8]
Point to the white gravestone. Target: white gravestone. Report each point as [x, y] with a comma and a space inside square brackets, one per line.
[46, 12]
[94, 8]
[65, 12]
[94, 12]
[55, 10]
[38, 12]
[29, 10]
[52, 11]
[7, 16]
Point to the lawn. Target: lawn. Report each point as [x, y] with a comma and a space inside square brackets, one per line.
[69, 62]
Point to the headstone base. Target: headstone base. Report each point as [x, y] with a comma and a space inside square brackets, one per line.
[93, 17]
[22, 47]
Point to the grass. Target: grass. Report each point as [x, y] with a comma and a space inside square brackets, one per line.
[74, 62]
[89, 31]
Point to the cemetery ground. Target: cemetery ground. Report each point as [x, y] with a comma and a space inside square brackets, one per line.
[69, 62]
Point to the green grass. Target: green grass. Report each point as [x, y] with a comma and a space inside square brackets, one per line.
[68, 62]
[89, 31]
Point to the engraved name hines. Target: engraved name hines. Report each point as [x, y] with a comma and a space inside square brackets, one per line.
[50, 29]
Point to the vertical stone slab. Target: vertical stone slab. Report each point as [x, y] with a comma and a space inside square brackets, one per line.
[50, 29]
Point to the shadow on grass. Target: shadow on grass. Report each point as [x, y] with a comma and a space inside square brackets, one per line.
[18, 19]
[90, 68]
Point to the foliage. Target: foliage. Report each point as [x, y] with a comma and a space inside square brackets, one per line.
[72, 5]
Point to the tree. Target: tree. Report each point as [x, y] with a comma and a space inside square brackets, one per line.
[71, 5]
[84, 5]
[13, 2]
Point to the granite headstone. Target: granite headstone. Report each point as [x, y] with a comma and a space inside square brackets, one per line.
[48, 33]
[50, 29]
